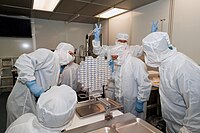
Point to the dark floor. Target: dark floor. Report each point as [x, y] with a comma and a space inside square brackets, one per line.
[3, 99]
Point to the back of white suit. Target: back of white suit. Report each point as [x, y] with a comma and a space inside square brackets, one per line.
[69, 76]
[41, 65]
[134, 84]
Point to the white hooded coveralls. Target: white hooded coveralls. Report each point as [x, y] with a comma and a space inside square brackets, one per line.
[131, 77]
[106, 50]
[179, 84]
[69, 76]
[54, 111]
[41, 65]
[134, 84]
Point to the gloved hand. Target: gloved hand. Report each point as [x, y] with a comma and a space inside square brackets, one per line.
[111, 64]
[97, 32]
[61, 69]
[154, 26]
[139, 106]
[34, 88]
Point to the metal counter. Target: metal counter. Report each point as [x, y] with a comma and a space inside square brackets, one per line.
[126, 123]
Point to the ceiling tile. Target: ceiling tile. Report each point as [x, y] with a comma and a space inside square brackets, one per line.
[67, 9]
[70, 6]
[14, 11]
[40, 14]
[133, 4]
[89, 20]
[19, 3]
[61, 17]
[92, 10]
[109, 3]
[84, 0]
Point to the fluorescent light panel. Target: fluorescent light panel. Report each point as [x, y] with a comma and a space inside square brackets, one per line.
[45, 5]
[111, 12]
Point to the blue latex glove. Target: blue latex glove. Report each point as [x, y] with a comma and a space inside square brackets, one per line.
[154, 26]
[97, 31]
[139, 106]
[34, 88]
[62, 68]
[111, 64]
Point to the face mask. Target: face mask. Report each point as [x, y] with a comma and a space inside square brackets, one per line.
[120, 59]
[71, 59]
[65, 58]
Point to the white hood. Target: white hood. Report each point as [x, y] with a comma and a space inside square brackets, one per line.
[62, 50]
[156, 46]
[56, 107]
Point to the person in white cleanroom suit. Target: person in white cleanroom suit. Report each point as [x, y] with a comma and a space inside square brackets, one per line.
[55, 110]
[121, 38]
[69, 76]
[132, 86]
[179, 83]
[37, 72]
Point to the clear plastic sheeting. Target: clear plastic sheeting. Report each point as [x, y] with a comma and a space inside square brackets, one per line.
[93, 74]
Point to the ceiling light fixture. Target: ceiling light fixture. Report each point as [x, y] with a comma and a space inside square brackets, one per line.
[111, 12]
[45, 5]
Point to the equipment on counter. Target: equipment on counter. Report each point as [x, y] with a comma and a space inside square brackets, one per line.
[93, 74]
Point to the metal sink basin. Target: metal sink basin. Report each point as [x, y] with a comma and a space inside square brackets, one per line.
[89, 108]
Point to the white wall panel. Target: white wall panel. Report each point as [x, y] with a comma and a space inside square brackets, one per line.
[105, 31]
[143, 17]
[122, 24]
[49, 33]
[186, 28]
[76, 33]
[15, 46]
